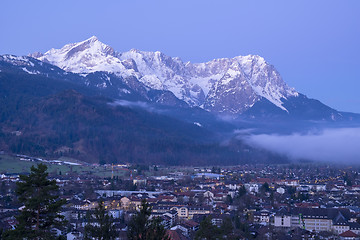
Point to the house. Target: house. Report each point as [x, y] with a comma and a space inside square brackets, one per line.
[252, 187]
[209, 175]
[209, 194]
[340, 224]
[307, 205]
[191, 225]
[321, 219]
[303, 188]
[166, 221]
[219, 197]
[116, 213]
[139, 181]
[282, 218]
[354, 227]
[198, 210]
[176, 234]
[125, 203]
[280, 190]
[172, 215]
[82, 204]
[349, 235]
[218, 219]
[184, 196]
[318, 187]
[232, 185]
[289, 183]
[262, 217]
[112, 204]
[135, 202]
[167, 198]
[180, 228]
[183, 211]
[187, 227]
[74, 235]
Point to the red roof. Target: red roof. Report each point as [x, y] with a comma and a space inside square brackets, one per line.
[184, 193]
[191, 223]
[348, 234]
[166, 197]
[222, 205]
[265, 180]
[307, 205]
[175, 235]
[152, 200]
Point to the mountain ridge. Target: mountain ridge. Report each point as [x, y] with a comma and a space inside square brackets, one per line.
[226, 86]
[215, 85]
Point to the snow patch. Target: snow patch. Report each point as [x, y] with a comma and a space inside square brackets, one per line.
[198, 124]
[123, 90]
[152, 81]
[30, 72]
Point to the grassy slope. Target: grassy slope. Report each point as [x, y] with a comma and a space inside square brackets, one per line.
[12, 164]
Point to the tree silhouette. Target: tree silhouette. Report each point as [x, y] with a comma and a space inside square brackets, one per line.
[101, 227]
[207, 230]
[141, 227]
[42, 205]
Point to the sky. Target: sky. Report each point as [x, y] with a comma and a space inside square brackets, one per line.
[315, 45]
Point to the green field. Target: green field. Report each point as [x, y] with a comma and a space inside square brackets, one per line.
[12, 164]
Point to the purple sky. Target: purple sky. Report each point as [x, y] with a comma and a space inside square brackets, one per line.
[315, 45]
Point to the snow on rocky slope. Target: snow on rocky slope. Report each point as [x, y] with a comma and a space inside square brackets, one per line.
[226, 85]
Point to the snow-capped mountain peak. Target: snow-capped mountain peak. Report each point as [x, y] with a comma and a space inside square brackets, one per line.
[92, 39]
[230, 85]
[87, 56]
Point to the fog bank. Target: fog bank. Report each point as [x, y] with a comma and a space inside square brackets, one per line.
[335, 145]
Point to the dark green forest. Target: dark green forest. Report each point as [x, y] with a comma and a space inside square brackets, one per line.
[46, 117]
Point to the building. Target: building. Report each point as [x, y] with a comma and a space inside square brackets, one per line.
[282, 218]
[262, 217]
[349, 235]
[252, 187]
[321, 219]
[183, 211]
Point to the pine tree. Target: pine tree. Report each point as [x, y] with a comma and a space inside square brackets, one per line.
[226, 227]
[241, 191]
[141, 227]
[207, 230]
[101, 227]
[41, 206]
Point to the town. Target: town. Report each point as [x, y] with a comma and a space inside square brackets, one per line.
[286, 201]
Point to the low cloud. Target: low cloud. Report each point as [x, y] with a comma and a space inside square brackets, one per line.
[245, 131]
[130, 104]
[340, 145]
[143, 105]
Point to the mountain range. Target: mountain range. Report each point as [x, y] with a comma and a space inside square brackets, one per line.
[150, 98]
[221, 85]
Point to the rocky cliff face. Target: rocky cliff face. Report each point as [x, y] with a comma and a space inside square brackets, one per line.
[227, 85]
